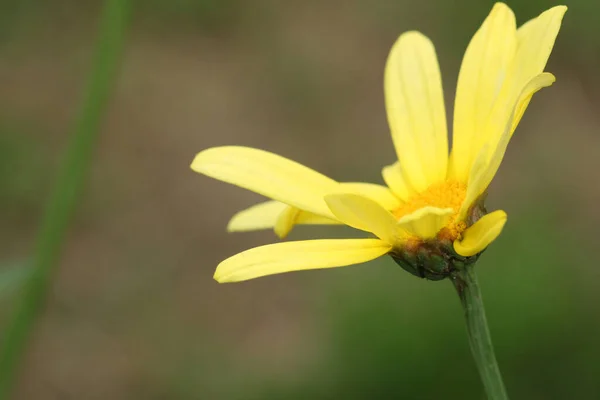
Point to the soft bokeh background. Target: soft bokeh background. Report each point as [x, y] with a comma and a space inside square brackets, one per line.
[134, 313]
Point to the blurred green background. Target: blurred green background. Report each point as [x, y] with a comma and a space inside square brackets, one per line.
[134, 313]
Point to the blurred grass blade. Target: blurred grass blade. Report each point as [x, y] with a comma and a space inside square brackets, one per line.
[13, 276]
[68, 187]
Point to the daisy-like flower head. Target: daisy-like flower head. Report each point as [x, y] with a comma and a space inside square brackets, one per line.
[430, 218]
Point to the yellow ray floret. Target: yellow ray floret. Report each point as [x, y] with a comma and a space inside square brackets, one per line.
[296, 256]
[415, 110]
[282, 217]
[268, 174]
[365, 214]
[498, 64]
[481, 234]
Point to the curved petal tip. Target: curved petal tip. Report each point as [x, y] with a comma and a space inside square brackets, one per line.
[478, 236]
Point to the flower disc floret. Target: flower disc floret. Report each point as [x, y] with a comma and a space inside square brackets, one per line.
[447, 194]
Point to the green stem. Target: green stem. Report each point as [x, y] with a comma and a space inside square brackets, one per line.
[465, 282]
[69, 185]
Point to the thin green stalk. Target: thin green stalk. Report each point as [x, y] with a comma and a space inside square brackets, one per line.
[67, 190]
[465, 282]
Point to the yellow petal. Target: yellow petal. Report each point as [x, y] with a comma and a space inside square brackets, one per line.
[307, 218]
[286, 221]
[535, 40]
[268, 174]
[378, 193]
[296, 256]
[393, 176]
[478, 236]
[415, 109]
[364, 214]
[426, 222]
[490, 157]
[274, 215]
[536, 84]
[291, 216]
[281, 217]
[482, 73]
[259, 216]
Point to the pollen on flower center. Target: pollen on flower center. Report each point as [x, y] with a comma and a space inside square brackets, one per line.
[447, 194]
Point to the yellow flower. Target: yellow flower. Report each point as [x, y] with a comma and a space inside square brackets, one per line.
[430, 217]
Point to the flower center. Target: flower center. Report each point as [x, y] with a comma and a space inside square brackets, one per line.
[447, 194]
